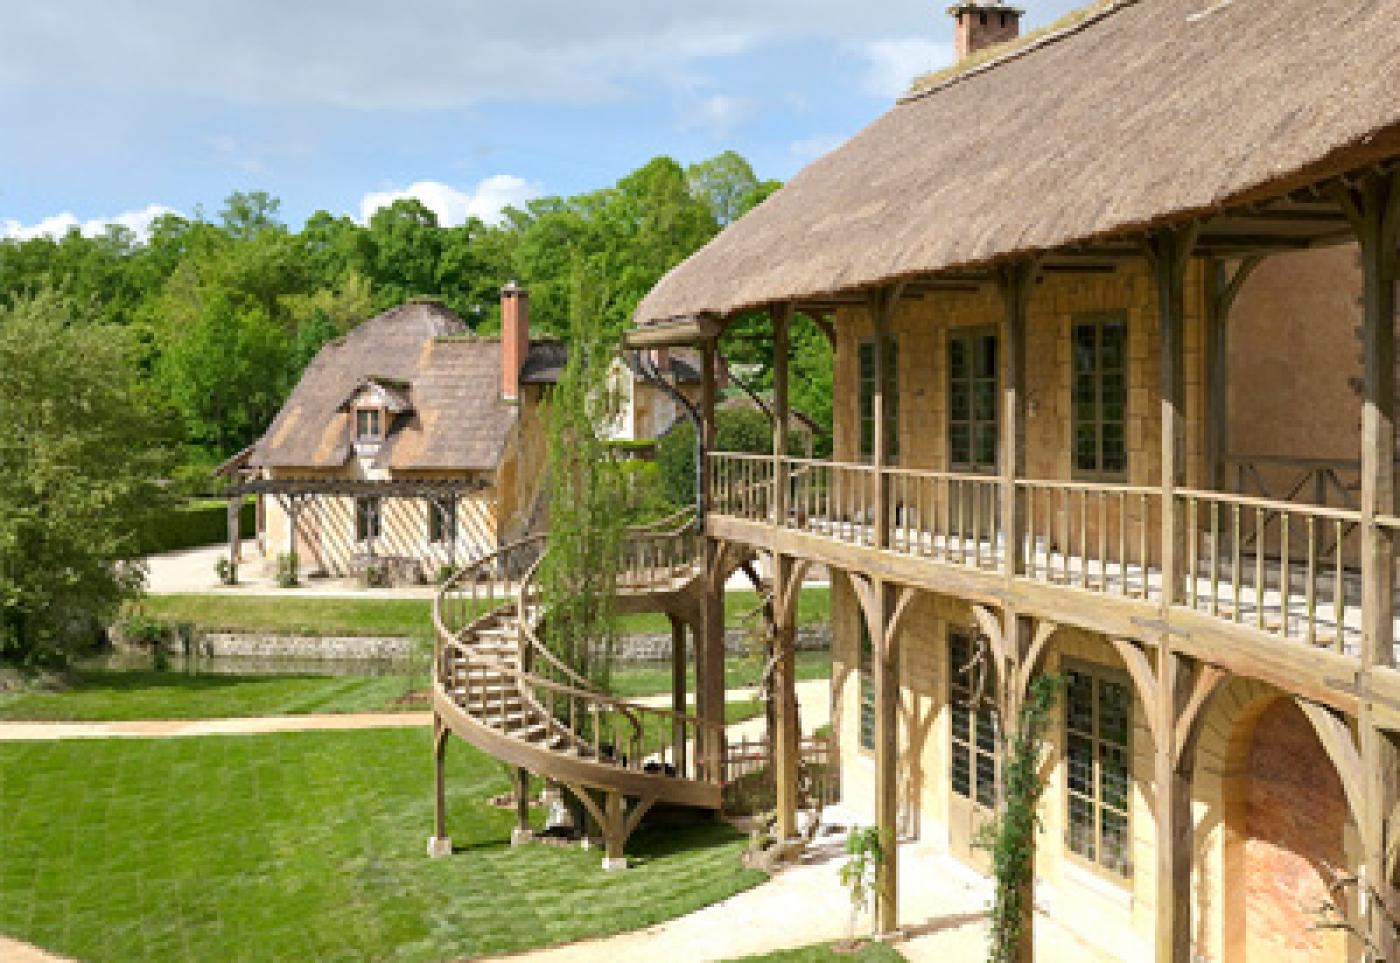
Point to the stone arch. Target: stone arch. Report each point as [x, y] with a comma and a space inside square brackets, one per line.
[1274, 817]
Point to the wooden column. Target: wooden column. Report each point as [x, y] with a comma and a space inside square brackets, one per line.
[678, 700]
[439, 844]
[1373, 207]
[522, 801]
[785, 747]
[709, 683]
[886, 655]
[782, 326]
[1222, 287]
[1015, 284]
[235, 533]
[1169, 253]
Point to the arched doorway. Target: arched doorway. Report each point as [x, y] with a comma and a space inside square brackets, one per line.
[1288, 817]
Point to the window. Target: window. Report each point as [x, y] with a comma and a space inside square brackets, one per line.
[974, 765]
[867, 399]
[367, 426]
[972, 400]
[867, 688]
[1101, 398]
[442, 521]
[366, 518]
[1098, 718]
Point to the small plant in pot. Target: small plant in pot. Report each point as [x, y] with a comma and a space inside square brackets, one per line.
[288, 573]
[227, 571]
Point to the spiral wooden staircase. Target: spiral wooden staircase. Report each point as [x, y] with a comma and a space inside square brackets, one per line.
[498, 687]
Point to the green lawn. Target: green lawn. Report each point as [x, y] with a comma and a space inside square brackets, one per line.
[308, 846]
[411, 618]
[108, 695]
[650, 678]
[823, 953]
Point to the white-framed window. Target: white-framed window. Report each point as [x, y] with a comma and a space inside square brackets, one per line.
[1098, 761]
[369, 425]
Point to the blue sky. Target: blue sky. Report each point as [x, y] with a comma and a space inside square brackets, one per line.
[116, 109]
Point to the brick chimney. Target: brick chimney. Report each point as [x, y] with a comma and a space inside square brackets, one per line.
[515, 338]
[979, 24]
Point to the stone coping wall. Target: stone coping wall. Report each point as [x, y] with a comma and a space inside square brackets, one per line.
[631, 648]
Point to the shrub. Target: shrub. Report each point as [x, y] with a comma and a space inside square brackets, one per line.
[736, 429]
[288, 572]
[192, 525]
[227, 570]
[148, 632]
[375, 575]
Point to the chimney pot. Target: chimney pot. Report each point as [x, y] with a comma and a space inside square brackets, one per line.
[515, 337]
[974, 34]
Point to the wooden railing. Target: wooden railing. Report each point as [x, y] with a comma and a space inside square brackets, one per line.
[1096, 537]
[1282, 567]
[741, 485]
[580, 716]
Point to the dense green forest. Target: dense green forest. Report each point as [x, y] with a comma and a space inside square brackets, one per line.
[224, 312]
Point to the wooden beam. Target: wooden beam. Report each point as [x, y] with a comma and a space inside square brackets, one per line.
[1222, 288]
[1015, 283]
[782, 326]
[709, 683]
[668, 334]
[678, 691]
[786, 745]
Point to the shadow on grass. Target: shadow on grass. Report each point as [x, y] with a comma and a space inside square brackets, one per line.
[656, 842]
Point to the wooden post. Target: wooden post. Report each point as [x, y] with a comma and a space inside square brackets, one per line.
[709, 683]
[1374, 210]
[235, 533]
[886, 666]
[1169, 252]
[678, 705]
[1015, 284]
[1222, 287]
[439, 844]
[522, 801]
[782, 325]
[786, 743]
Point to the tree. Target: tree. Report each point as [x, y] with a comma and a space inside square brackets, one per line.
[736, 429]
[587, 498]
[82, 451]
[246, 215]
[724, 183]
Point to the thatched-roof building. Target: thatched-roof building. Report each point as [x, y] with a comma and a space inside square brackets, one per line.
[1113, 312]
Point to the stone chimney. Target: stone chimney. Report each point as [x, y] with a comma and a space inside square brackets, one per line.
[979, 24]
[515, 338]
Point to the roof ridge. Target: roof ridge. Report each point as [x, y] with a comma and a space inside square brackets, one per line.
[1029, 44]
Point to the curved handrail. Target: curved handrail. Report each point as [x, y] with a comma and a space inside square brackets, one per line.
[576, 691]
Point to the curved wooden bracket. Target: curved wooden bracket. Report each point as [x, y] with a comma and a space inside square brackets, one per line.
[906, 596]
[1030, 662]
[1335, 736]
[634, 818]
[865, 595]
[785, 596]
[1141, 671]
[1205, 685]
[991, 628]
[1392, 854]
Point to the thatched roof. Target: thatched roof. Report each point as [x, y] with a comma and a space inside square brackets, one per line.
[1152, 113]
[448, 381]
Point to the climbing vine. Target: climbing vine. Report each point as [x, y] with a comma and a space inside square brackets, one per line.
[587, 495]
[865, 850]
[1010, 837]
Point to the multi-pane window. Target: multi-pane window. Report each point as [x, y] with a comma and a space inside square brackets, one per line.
[1101, 398]
[867, 688]
[1098, 720]
[973, 767]
[867, 399]
[366, 518]
[972, 400]
[442, 521]
[367, 424]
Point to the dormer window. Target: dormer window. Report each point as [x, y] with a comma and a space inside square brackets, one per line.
[369, 426]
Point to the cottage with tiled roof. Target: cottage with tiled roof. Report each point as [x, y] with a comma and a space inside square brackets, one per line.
[409, 444]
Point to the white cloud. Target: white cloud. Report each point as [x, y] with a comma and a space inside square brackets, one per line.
[452, 206]
[810, 148]
[414, 54]
[57, 225]
[892, 64]
[719, 114]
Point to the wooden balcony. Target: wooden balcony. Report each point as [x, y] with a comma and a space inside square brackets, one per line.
[1267, 588]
